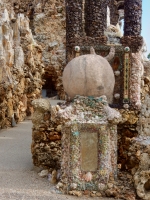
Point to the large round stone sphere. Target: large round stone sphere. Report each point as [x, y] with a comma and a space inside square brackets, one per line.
[89, 75]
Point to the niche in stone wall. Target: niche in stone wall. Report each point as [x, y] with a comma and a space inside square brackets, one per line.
[116, 63]
[49, 89]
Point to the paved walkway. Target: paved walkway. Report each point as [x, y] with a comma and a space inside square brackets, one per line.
[18, 179]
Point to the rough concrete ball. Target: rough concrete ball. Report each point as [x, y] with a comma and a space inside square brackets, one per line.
[89, 75]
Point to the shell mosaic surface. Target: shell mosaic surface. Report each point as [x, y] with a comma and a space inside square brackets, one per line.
[131, 134]
[88, 110]
[90, 30]
[137, 71]
[128, 71]
[93, 115]
[38, 48]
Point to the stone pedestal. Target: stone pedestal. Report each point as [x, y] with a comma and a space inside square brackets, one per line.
[91, 153]
[89, 145]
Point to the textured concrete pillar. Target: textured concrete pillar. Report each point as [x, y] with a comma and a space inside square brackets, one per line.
[86, 16]
[114, 15]
[73, 19]
[132, 17]
[95, 17]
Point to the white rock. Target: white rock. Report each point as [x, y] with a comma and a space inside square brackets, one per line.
[43, 173]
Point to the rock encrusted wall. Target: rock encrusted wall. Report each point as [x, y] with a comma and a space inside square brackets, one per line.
[133, 141]
[47, 22]
[33, 44]
[21, 67]
[49, 27]
[114, 15]
[47, 140]
[133, 16]
[46, 136]
[132, 25]
[32, 47]
[134, 136]
[87, 118]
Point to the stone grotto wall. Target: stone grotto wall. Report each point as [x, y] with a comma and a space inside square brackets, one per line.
[133, 143]
[49, 27]
[37, 55]
[21, 67]
[133, 130]
[46, 136]
[133, 136]
[47, 22]
[32, 48]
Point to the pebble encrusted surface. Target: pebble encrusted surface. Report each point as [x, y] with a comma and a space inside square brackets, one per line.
[21, 67]
[45, 19]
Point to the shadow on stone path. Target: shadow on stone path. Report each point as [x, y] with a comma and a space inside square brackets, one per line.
[18, 180]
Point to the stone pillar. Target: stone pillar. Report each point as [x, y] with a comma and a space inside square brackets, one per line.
[114, 15]
[86, 16]
[95, 18]
[132, 17]
[73, 19]
[132, 25]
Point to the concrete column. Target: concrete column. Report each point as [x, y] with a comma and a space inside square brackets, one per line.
[73, 19]
[95, 17]
[132, 17]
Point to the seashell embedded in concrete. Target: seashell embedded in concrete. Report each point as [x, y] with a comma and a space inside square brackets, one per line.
[87, 177]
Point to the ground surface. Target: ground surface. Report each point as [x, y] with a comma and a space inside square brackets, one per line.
[18, 178]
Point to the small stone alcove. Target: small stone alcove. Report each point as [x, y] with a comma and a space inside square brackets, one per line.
[49, 89]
